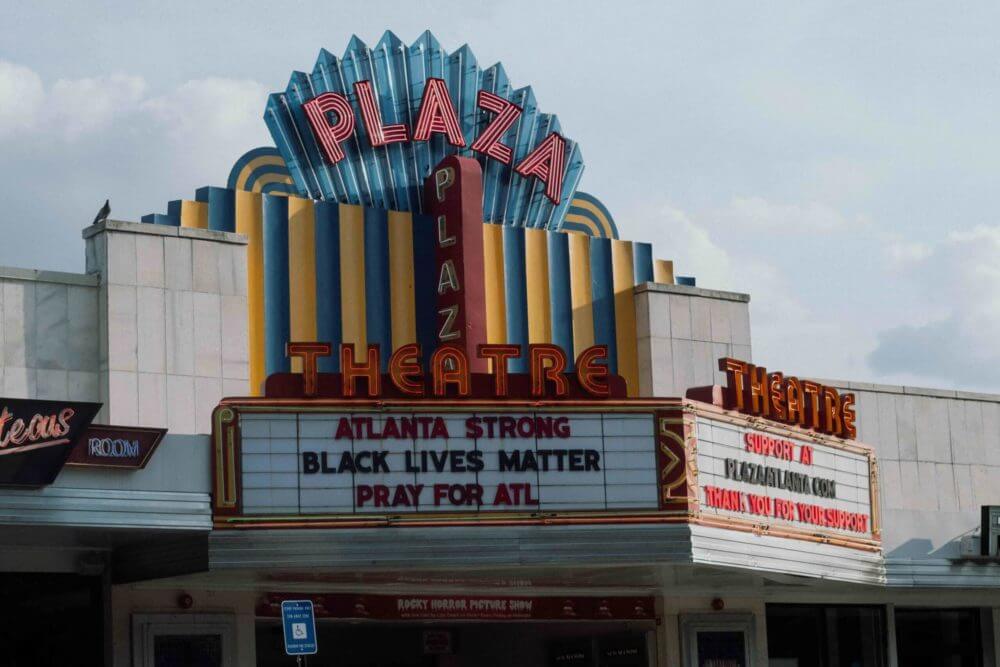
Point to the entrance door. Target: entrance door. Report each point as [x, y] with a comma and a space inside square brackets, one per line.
[717, 640]
[182, 640]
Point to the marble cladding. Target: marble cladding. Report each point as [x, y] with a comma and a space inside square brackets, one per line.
[156, 329]
[683, 331]
[175, 338]
[936, 453]
[939, 462]
[48, 335]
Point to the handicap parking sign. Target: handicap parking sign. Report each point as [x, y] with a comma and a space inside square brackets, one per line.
[299, 624]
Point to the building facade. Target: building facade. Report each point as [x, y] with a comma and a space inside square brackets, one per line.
[323, 340]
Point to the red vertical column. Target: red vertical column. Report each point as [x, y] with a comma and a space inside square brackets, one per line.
[453, 197]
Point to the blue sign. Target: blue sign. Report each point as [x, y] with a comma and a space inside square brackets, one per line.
[299, 623]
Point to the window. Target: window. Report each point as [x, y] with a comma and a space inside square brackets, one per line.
[182, 640]
[939, 638]
[825, 636]
[717, 640]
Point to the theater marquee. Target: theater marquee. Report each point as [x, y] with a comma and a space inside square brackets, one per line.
[398, 461]
[454, 447]
[784, 481]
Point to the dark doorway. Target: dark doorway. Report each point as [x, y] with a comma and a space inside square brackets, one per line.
[51, 620]
[939, 637]
[826, 636]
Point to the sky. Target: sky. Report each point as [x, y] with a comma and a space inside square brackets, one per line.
[838, 161]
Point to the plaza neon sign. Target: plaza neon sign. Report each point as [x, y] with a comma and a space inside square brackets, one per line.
[333, 122]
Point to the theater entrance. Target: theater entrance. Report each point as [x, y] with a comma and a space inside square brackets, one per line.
[51, 619]
[355, 630]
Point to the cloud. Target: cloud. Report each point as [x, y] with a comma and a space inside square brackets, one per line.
[211, 107]
[206, 124]
[111, 136]
[930, 350]
[759, 214]
[68, 109]
[21, 97]
[955, 339]
[209, 111]
[76, 107]
[867, 304]
[790, 332]
[702, 257]
[901, 253]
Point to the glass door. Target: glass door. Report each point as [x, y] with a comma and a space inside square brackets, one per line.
[717, 640]
[182, 640]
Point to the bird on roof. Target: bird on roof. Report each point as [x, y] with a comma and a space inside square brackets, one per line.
[103, 214]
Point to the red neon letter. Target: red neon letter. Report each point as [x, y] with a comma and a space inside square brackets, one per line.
[404, 364]
[489, 141]
[330, 136]
[776, 382]
[498, 355]
[378, 134]
[547, 162]
[794, 407]
[736, 372]
[309, 352]
[810, 409]
[830, 411]
[437, 114]
[449, 365]
[350, 372]
[592, 376]
[848, 416]
[540, 356]
[759, 390]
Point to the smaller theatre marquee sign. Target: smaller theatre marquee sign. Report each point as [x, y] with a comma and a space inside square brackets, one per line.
[363, 448]
[778, 480]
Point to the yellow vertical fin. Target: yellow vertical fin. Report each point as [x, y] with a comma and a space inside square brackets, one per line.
[250, 223]
[301, 272]
[404, 319]
[536, 265]
[625, 328]
[352, 276]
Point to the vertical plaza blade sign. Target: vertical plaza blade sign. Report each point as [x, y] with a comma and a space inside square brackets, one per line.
[454, 192]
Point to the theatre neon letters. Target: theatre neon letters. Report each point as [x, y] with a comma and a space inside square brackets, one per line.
[752, 390]
[450, 371]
